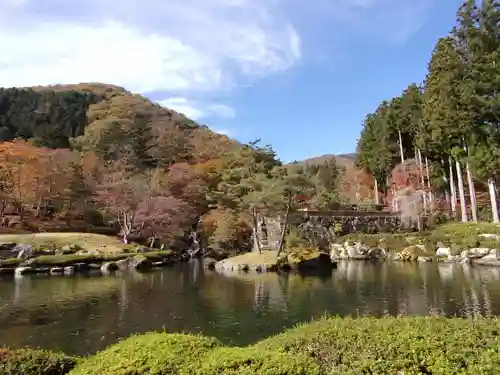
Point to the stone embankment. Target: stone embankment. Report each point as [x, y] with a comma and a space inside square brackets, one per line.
[70, 261]
[418, 252]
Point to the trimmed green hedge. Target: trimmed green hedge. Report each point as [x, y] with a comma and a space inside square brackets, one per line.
[330, 346]
[403, 345]
[148, 354]
[250, 361]
[34, 362]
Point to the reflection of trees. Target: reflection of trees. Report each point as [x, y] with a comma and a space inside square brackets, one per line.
[84, 314]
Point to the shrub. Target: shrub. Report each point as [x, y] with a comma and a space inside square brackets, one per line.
[409, 345]
[34, 362]
[249, 361]
[151, 354]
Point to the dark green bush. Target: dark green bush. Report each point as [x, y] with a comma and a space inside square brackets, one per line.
[34, 362]
[406, 345]
[250, 361]
[149, 354]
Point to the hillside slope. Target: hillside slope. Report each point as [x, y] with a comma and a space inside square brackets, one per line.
[356, 187]
[92, 115]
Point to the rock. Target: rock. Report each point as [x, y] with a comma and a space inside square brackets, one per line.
[488, 260]
[136, 262]
[411, 253]
[88, 252]
[23, 251]
[313, 260]
[41, 270]
[195, 253]
[68, 249]
[475, 253]
[56, 270]
[377, 254]
[80, 266]
[424, 259]
[160, 263]
[143, 250]
[70, 270]
[490, 235]
[444, 252]
[23, 271]
[108, 267]
[209, 263]
[357, 252]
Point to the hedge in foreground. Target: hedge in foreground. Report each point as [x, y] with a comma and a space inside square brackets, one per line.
[151, 354]
[383, 346]
[34, 362]
[250, 361]
[403, 345]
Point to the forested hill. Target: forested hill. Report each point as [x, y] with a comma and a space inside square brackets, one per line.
[100, 156]
[98, 116]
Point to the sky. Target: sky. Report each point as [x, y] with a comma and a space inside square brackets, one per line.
[299, 75]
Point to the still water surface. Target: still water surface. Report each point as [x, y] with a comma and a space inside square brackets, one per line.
[81, 315]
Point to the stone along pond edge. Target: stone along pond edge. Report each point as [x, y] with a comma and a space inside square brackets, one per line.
[70, 264]
[330, 345]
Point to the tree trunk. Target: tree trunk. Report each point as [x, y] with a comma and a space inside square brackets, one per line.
[453, 190]
[256, 237]
[463, 207]
[472, 192]
[493, 199]
[431, 200]
[401, 147]
[422, 182]
[152, 243]
[125, 238]
[376, 192]
[285, 224]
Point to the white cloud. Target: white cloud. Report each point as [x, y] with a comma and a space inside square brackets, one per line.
[176, 46]
[197, 110]
[184, 49]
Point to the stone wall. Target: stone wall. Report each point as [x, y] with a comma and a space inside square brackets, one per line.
[321, 227]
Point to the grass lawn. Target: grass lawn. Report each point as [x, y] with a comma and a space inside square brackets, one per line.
[86, 241]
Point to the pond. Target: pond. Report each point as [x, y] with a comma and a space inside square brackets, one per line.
[81, 315]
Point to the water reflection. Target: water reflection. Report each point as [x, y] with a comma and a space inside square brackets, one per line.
[83, 314]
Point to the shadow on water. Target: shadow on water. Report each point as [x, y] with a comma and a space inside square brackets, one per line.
[81, 315]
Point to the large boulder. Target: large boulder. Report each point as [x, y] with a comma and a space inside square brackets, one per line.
[338, 252]
[443, 252]
[488, 260]
[136, 262]
[358, 251]
[377, 254]
[24, 251]
[308, 259]
[475, 253]
[411, 253]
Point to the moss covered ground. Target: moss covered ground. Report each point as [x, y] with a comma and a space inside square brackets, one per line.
[84, 241]
[392, 345]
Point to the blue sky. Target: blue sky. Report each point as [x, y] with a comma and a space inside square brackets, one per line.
[299, 74]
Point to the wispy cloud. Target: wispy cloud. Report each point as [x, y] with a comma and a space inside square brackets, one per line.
[197, 110]
[151, 45]
[181, 48]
